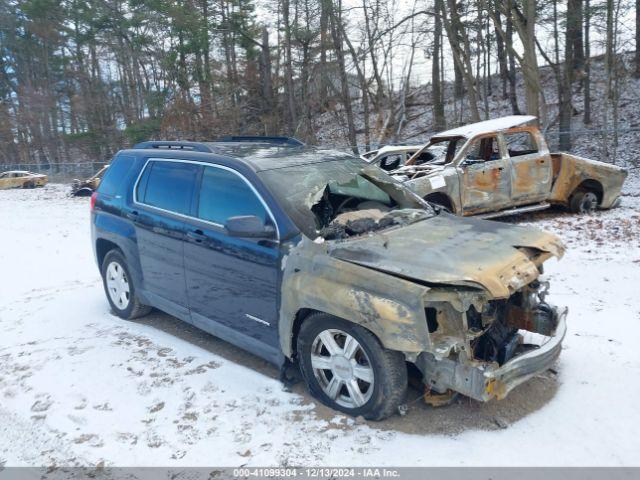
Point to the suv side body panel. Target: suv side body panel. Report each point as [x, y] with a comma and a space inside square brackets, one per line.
[233, 282]
[109, 226]
[160, 232]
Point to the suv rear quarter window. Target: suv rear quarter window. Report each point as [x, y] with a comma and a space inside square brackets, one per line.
[113, 180]
[168, 185]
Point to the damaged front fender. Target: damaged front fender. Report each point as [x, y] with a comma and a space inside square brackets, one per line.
[391, 308]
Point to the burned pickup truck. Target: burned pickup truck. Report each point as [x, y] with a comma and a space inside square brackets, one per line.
[84, 188]
[502, 167]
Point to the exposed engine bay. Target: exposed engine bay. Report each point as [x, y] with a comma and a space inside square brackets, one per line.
[497, 344]
[358, 207]
[498, 327]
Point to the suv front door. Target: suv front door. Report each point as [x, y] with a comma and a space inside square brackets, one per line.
[232, 282]
[485, 177]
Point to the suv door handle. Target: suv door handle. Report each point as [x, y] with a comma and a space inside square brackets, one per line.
[196, 235]
[132, 215]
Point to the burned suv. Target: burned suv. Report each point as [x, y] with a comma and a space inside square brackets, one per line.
[313, 257]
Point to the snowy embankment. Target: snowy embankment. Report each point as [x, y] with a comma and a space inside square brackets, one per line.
[78, 386]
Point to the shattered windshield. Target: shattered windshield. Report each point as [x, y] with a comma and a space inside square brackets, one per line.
[343, 197]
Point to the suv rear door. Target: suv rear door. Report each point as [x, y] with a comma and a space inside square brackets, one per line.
[163, 198]
[232, 282]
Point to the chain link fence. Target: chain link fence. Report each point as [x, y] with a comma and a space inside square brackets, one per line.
[58, 172]
[598, 144]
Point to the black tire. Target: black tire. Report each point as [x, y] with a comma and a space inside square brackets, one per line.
[583, 201]
[134, 308]
[389, 368]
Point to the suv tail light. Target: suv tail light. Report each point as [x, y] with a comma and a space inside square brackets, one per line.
[92, 203]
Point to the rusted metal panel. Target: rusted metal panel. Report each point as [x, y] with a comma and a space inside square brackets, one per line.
[445, 181]
[486, 186]
[388, 306]
[445, 249]
[572, 171]
[531, 174]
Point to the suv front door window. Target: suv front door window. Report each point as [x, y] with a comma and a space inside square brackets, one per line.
[220, 267]
[224, 194]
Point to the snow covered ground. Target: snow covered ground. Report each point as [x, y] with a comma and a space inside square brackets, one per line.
[78, 386]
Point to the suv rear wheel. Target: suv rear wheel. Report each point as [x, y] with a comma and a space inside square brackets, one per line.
[347, 369]
[119, 287]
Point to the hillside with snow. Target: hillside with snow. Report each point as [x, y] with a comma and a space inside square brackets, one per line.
[594, 140]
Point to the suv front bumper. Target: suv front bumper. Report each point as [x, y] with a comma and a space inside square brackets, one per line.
[483, 382]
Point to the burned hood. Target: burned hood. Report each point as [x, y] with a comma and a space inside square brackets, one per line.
[498, 257]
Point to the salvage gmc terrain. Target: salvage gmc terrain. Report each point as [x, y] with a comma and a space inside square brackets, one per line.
[316, 258]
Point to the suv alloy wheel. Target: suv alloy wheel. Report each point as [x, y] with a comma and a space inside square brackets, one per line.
[347, 369]
[119, 287]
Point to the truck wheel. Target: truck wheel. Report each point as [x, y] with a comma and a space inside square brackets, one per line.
[583, 201]
[119, 288]
[347, 369]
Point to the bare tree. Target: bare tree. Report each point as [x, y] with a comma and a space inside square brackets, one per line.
[439, 122]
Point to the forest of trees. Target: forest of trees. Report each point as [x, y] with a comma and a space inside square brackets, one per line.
[93, 76]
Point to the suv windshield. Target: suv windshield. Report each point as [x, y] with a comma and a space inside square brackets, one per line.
[343, 197]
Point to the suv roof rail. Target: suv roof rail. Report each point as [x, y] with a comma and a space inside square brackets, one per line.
[290, 141]
[173, 145]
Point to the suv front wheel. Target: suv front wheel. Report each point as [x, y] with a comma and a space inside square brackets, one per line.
[347, 369]
[119, 287]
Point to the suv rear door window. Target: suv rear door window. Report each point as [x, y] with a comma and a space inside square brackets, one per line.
[225, 194]
[168, 185]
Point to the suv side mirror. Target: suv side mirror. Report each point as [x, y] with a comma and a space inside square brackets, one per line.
[248, 226]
